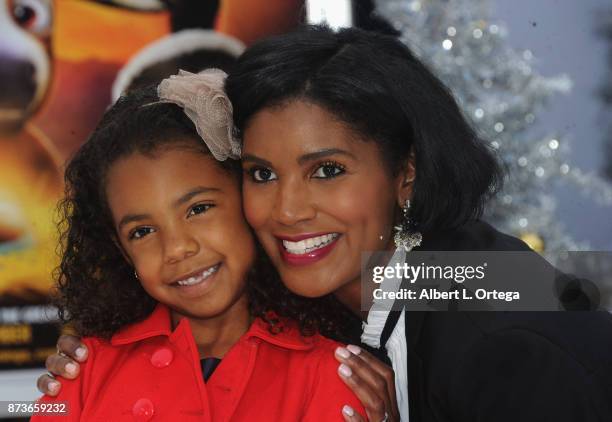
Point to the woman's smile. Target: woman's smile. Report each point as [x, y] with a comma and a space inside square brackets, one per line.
[306, 248]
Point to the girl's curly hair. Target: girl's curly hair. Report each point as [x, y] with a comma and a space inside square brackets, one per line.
[97, 291]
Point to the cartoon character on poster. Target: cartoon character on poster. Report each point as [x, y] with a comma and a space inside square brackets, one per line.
[30, 175]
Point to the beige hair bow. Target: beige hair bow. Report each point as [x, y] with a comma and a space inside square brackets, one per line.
[204, 101]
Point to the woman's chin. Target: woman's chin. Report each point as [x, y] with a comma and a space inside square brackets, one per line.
[312, 285]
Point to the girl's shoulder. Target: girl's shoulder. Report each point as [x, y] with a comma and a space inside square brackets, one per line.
[286, 332]
[96, 345]
[95, 342]
[310, 361]
[101, 352]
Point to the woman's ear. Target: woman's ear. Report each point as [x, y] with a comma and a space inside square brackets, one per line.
[405, 180]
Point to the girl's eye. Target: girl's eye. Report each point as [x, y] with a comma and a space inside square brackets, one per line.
[328, 171]
[262, 174]
[140, 232]
[199, 209]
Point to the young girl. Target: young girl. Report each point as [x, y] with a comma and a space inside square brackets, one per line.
[161, 271]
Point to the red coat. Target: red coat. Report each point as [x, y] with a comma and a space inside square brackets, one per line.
[149, 372]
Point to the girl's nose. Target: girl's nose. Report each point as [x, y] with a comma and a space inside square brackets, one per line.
[180, 245]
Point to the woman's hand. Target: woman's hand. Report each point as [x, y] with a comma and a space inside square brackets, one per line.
[373, 383]
[70, 351]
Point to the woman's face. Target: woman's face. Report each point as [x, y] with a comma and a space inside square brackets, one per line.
[316, 196]
[179, 221]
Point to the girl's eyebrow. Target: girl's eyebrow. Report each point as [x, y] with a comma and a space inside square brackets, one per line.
[131, 218]
[192, 193]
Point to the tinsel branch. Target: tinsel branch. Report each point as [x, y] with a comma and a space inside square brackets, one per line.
[501, 93]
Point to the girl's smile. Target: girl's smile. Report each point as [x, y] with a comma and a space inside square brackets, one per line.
[197, 277]
[198, 282]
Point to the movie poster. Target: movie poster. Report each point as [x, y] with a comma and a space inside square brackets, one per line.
[60, 62]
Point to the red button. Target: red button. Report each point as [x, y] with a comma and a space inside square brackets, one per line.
[162, 357]
[143, 410]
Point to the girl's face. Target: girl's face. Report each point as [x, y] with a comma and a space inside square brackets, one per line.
[316, 196]
[179, 221]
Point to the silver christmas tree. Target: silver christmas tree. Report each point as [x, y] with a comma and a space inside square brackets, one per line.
[502, 94]
[605, 93]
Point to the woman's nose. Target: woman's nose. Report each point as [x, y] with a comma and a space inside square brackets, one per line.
[293, 204]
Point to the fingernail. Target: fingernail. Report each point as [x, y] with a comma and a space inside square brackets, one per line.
[348, 410]
[354, 349]
[343, 353]
[71, 368]
[80, 352]
[345, 370]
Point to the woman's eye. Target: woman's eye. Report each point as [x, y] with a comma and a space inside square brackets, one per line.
[199, 209]
[328, 171]
[140, 232]
[262, 175]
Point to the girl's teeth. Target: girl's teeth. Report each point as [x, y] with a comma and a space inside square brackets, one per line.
[308, 245]
[197, 279]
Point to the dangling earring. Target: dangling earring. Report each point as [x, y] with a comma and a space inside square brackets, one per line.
[404, 236]
[136, 275]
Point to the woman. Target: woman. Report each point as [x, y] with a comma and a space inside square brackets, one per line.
[339, 131]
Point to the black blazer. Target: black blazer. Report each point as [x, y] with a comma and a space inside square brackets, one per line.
[505, 366]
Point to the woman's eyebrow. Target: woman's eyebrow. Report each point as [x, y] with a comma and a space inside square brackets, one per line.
[312, 156]
[255, 159]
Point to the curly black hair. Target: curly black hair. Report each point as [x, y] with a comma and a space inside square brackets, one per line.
[96, 288]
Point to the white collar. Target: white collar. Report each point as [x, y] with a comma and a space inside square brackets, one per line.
[396, 344]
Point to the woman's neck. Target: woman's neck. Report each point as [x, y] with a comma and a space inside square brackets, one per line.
[350, 294]
[216, 335]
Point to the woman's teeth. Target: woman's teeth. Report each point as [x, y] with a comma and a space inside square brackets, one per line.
[199, 278]
[309, 245]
